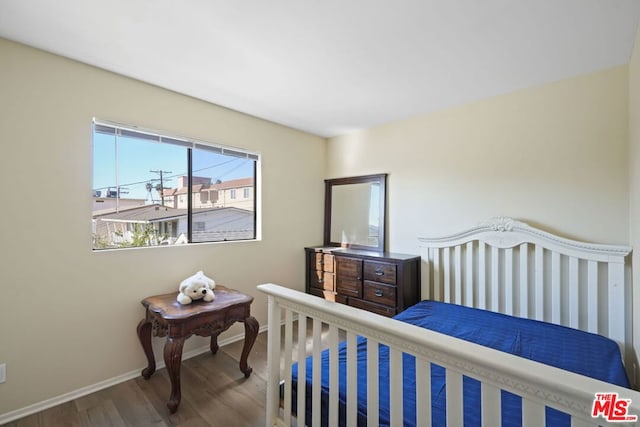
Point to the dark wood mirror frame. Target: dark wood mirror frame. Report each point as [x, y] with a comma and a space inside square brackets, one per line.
[381, 180]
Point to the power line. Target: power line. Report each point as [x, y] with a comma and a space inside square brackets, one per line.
[161, 172]
[172, 176]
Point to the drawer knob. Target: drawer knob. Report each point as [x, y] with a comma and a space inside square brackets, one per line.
[378, 293]
[379, 272]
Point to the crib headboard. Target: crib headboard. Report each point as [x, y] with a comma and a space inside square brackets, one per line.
[507, 266]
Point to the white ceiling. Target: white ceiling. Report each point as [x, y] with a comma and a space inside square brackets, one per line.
[333, 66]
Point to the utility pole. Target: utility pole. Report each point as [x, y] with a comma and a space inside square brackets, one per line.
[161, 172]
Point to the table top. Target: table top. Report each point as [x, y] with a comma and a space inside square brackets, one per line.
[169, 308]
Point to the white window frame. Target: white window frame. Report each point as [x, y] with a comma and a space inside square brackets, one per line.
[169, 138]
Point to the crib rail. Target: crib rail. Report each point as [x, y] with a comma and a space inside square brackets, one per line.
[539, 385]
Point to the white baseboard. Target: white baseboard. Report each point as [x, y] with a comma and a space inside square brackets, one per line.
[66, 397]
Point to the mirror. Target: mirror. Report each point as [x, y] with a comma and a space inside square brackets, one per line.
[354, 215]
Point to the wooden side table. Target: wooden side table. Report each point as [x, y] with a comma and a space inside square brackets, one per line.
[165, 316]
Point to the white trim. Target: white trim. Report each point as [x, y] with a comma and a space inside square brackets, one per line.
[188, 142]
[83, 391]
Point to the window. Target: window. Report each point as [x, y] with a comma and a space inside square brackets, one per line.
[247, 193]
[158, 190]
[233, 194]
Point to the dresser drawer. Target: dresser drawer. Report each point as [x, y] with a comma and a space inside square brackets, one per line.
[349, 268]
[321, 280]
[348, 286]
[373, 307]
[380, 293]
[380, 272]
[384, 283]
[321, 261]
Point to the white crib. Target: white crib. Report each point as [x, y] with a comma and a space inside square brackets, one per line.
[507, 266]
[503, 266]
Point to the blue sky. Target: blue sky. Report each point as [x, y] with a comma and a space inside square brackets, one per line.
[136, 158]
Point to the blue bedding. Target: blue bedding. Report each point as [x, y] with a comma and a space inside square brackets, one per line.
[570, 349]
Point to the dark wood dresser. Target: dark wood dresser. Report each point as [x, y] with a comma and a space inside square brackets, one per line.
[380, 282]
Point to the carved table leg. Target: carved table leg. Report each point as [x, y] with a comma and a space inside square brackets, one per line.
[214, 343]
[173, 359]
[250, 333]
[144, 335]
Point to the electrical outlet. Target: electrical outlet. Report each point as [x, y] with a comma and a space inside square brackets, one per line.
[3, 372]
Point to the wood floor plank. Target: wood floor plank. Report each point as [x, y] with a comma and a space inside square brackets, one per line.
[225, 386]
[134, 406]
[214, 393]
[105, 414]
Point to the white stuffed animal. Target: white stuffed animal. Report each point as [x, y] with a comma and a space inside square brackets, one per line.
[196, 287]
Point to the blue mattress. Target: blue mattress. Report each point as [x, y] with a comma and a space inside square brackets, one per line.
[570, 349]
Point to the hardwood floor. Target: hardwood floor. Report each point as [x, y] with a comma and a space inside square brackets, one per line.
[214, 393]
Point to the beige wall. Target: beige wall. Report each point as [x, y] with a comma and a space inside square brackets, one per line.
[634, 169]
[554, 156]
[67, 315]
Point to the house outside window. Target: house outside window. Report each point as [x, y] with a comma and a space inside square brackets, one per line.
[232, 194]
[246, 193]
[164, 190]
